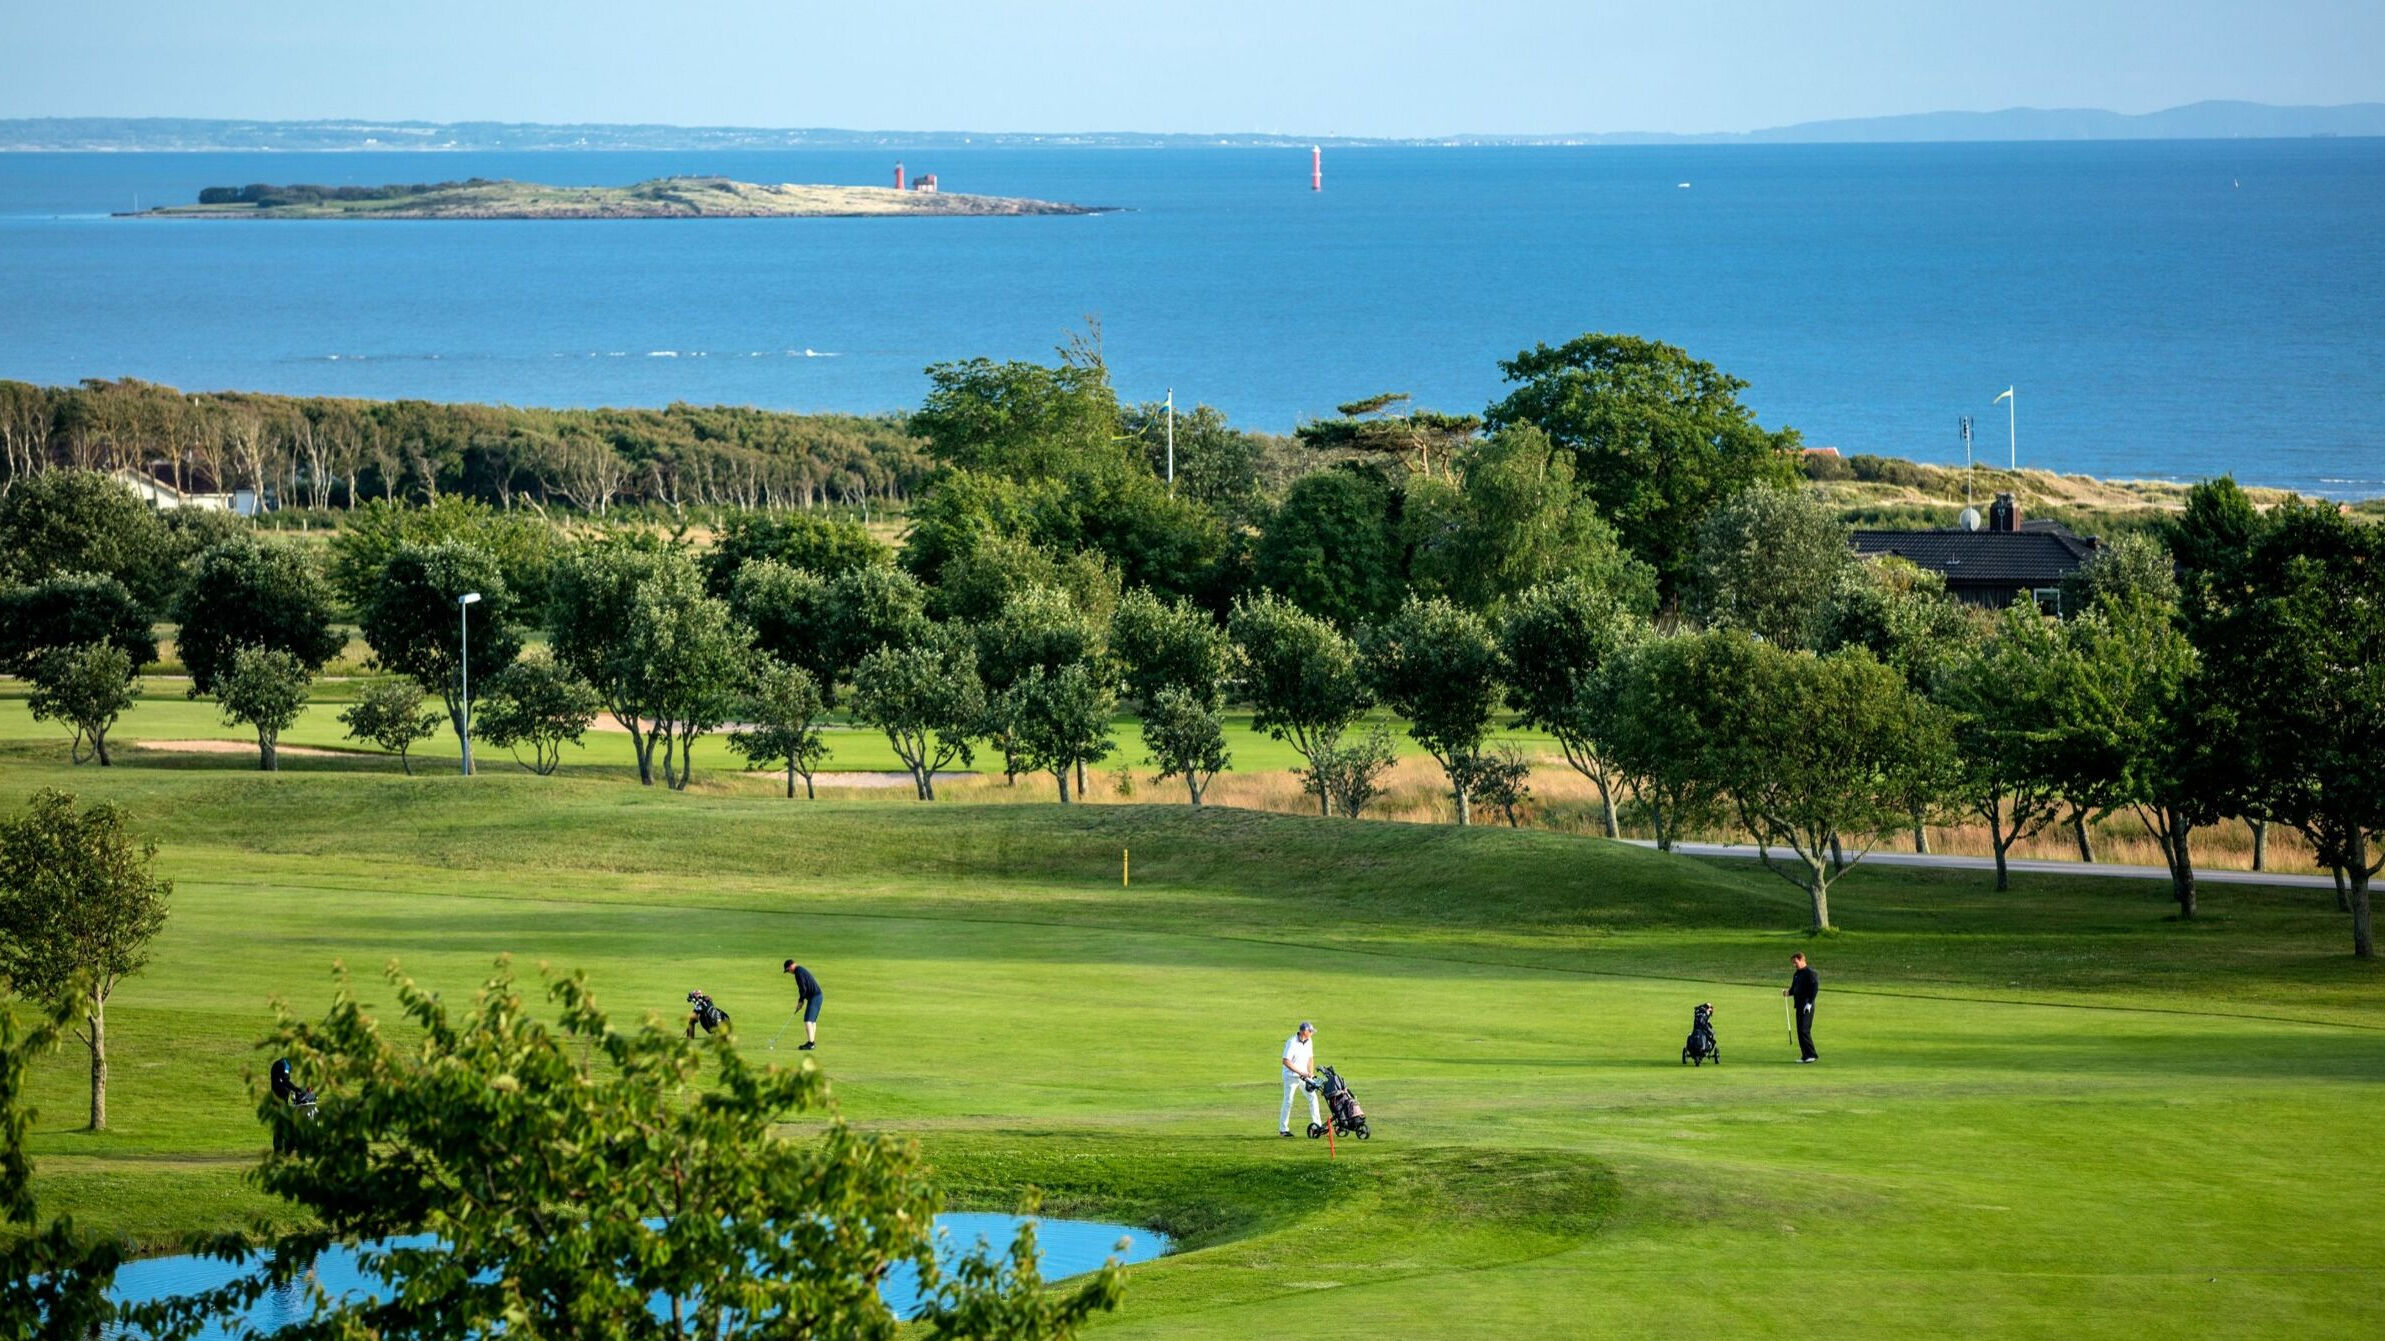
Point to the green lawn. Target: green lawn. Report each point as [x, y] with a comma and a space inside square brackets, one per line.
[2047, 1113]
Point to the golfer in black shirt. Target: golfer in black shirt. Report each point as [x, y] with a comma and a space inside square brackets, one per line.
[807, 991]
[1803, 987]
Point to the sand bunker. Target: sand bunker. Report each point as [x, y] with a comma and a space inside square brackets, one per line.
[229, 747]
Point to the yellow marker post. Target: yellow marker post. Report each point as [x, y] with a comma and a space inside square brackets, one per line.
[1126, 870]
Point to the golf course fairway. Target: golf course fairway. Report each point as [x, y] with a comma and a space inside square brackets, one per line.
[2053, 1112]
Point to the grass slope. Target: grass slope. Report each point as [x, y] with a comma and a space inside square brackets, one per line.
[2051, 1112]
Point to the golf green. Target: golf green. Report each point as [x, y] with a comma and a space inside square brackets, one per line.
[2054, 1112]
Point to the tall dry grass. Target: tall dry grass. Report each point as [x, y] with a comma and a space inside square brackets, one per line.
[1415, 792]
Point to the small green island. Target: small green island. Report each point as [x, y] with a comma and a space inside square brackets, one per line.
[662, 198]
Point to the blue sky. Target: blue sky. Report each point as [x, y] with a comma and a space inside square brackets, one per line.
[1389, 67]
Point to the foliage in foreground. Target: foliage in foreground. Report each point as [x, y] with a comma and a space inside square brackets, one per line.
[53, 1282]
[582, 1180]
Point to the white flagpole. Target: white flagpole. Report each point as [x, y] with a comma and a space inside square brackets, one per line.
[1171, 439]
[2012, 425]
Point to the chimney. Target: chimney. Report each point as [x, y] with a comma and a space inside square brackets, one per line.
[2004, 514]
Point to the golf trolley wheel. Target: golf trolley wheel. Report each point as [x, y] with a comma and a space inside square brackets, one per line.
[1362, 1133]
[1315, 1130]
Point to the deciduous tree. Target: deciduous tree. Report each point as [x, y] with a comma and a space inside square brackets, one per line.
[1300, 676]
[251, 593]
[81, 521]
[1559, 647]
[782, 711]
[1161, 644]
[536, 702]
[416, 628]
[87, 688]
[1060, 718]
[1512, 517]
[263, 688]
[1187, 739]
[927, 697]
[1817, 749]
[79, 904]
[1436, 664]
[1658, 438]
[72, 610]
[2000, 696]
[388, 712]
[1768, 559]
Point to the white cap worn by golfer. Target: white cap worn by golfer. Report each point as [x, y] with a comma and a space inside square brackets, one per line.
[1299, 1064]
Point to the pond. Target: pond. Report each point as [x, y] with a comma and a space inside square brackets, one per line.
[1070, 1248]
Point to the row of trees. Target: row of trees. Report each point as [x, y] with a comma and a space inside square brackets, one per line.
[322, 452]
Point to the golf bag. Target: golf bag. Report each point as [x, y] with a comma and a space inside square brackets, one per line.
[288, 1090]
[1341, 1107]
[1701, 1049]
[707, 1013]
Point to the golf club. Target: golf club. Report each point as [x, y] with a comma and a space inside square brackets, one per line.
[1788, 1016]
[782, 1029]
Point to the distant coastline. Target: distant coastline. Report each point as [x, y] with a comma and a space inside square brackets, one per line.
[2215, 120]
[662, 198]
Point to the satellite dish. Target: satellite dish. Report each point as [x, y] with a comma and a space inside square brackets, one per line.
[1970, 519]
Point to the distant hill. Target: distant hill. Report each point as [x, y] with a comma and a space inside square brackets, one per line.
[2202, 120]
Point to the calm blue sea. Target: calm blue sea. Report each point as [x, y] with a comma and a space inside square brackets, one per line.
[2166, 309]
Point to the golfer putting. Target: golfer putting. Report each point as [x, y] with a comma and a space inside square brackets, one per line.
[1300, 1067]
[808, 998]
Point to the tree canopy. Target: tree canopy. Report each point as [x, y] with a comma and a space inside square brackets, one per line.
[1658, 437]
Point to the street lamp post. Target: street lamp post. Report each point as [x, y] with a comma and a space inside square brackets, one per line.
[463, 665]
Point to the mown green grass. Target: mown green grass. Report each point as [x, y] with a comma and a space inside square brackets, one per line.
[2051, 1112]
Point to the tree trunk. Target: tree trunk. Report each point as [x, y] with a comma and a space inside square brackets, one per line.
[1606, 806]
[1838, 857]
[2078, 829]
[808, 793]
[2260, 832]
[641, 744]
[406, 760]
[1656, 811]
[1192, 786]
[1061, 776]
[2003, 845]
[2182, 870]
[97, 1020]
[1921, 837]
[99, 746]
[791, 780]
[265, 760]
[2343, 890]
[1465, 812]
[1818, 884]
[1080, 777]
[2364, 943]
[927, 784]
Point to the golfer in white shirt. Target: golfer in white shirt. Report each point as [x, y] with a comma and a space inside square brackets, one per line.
[1300, 1064]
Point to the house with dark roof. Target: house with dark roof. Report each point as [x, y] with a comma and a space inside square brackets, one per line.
[1990, 566]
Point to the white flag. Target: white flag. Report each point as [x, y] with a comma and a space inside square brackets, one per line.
[2003, 398]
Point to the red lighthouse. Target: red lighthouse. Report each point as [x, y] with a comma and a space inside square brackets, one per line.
[1316, 167]
[898, 174]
